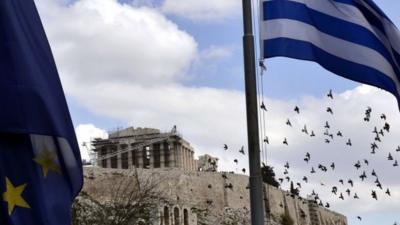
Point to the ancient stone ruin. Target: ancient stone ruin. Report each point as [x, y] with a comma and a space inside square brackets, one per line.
[194, 192]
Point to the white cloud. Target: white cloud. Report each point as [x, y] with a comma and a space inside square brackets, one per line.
[196, 10]
[97, 40]
[217, 52]
[85, 133]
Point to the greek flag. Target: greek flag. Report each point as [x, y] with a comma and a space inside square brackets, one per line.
[351, 38]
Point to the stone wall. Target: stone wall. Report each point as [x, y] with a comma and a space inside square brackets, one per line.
[217, 191]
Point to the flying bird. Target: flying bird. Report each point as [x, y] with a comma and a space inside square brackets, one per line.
[374, 196]
[296, 109]
[285, 172]
[242, 150]
[285, 142]
[369, 110]
[363, 176]
[304, 130]
[312, 134]
[386, 127]
[286, 165]
[350, 182]
[288, 122]
[334, 190]
[375, 130]
[327, 125]
[330, 95]
[339, 134]
[367, 114]
[341, 196]
[329, 110]
[377, 138]
[225, 147]
[266, 140]
[357, 165]
[348, 142]
[374, 146]
[263, 107]
[262, 65]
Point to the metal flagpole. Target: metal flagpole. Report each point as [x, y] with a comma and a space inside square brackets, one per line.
[256, 194]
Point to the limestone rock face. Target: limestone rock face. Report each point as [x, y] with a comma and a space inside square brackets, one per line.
[210, 198]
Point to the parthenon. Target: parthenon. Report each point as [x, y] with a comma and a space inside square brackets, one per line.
[144, 148]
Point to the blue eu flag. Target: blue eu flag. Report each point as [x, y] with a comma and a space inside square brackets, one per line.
[40, 165]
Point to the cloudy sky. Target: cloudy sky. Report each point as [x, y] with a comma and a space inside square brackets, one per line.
[159, 63]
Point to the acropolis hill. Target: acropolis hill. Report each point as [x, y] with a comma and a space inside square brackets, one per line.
[190, 185]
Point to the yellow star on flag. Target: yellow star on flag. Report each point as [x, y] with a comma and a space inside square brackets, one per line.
[47, 160]
[13, 196]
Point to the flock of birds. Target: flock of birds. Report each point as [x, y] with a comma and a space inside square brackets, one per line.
[344, 188]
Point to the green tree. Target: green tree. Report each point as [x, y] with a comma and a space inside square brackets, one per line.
[268, 175]
[293, 191]
[127, 199]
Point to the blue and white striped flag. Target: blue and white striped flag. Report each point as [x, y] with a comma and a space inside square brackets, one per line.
[351, 38]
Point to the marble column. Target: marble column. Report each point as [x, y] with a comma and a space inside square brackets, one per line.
[192, 161]
[162, 163]
[119, 157]
[140, 157]
[130, 163]
[151, 148]
[178, 156]
[183, 157]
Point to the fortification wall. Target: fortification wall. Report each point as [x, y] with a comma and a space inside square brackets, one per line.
[217, 191]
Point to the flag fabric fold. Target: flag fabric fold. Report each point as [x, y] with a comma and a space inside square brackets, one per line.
[351, 38]
[40, 164]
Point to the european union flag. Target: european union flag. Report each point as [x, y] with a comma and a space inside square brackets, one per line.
[40, 165]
